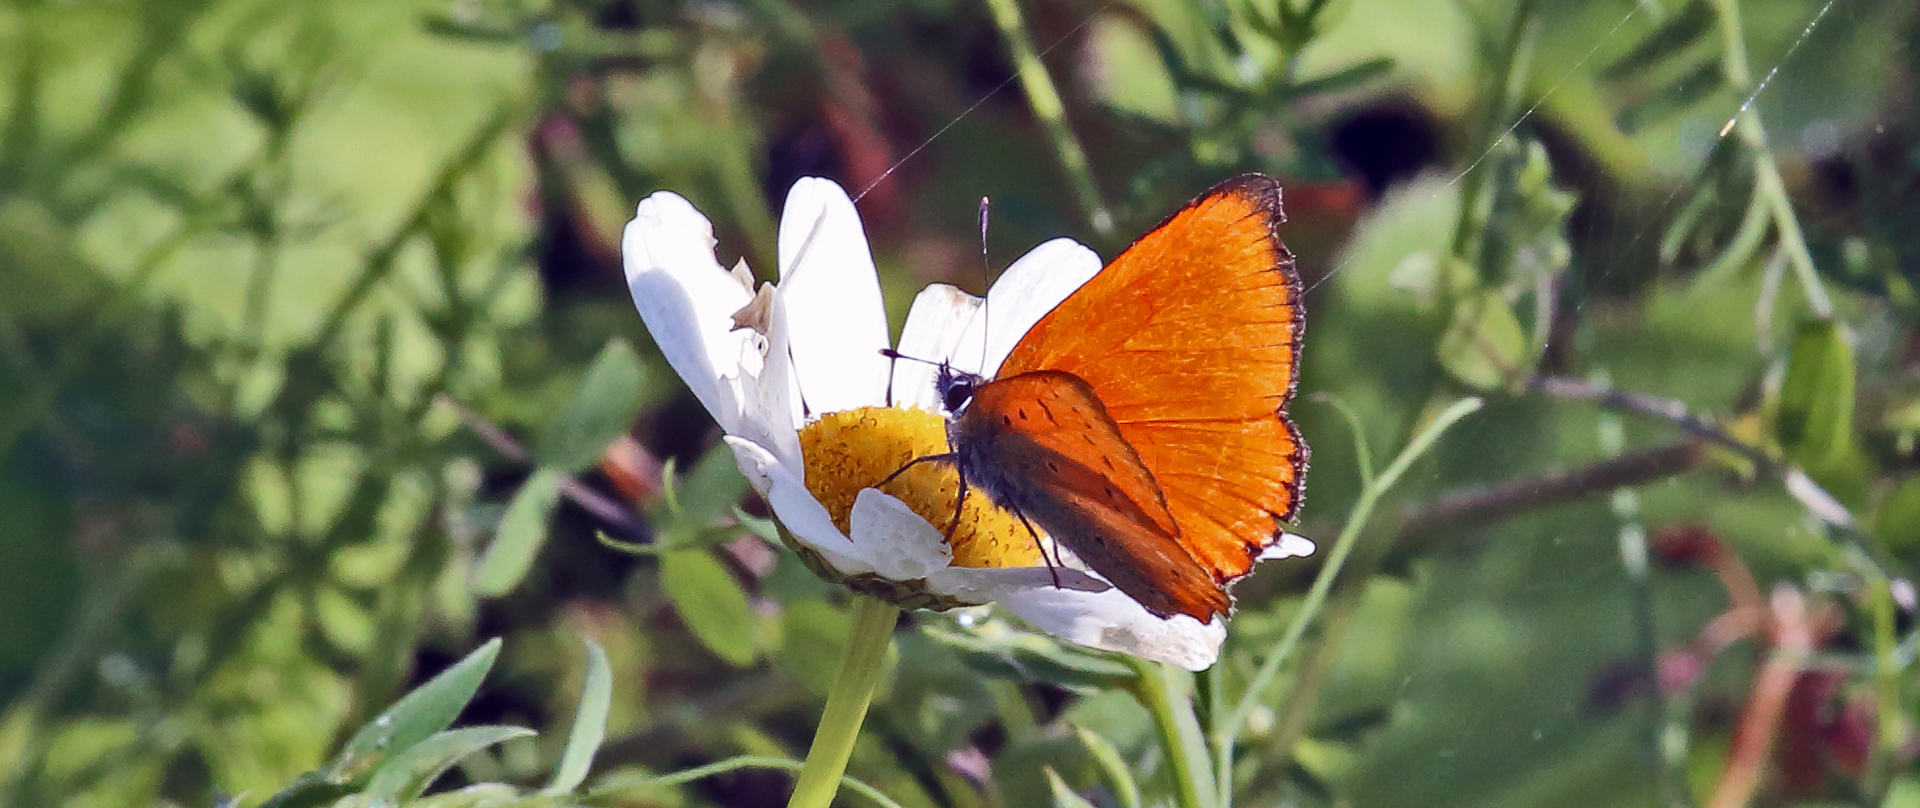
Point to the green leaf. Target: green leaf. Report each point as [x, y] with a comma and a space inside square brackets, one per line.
[1063, 796]
[1485, 345]
[408, 774]
[1815, 419]
[521, 533]
[693, 501]
[712, 487]
[710, 602]
[430, 708]
[589, 724]
[600, 411]
[1136, 78]
[1114, 770]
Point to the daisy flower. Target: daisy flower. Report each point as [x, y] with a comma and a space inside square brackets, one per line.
[817, 417]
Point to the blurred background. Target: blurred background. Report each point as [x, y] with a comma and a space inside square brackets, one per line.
[317, 370]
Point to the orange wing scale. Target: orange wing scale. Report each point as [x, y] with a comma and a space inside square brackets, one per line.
[1191, 339]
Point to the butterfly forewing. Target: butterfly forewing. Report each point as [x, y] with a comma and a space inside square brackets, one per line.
[1191, 341]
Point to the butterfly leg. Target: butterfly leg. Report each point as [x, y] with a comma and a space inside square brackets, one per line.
[933, 458]
[958, 502]
[1051, 568]
[936, 458]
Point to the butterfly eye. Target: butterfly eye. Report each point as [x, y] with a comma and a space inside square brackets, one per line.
[957, 395]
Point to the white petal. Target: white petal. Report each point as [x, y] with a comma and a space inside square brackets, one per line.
[688, 301]
[1025, 293]
[1112, 621]
[836, 319]
[904, 546]
[802, 515]
[983, 584]
[1290, 545]
[901, 544]
[935, 324]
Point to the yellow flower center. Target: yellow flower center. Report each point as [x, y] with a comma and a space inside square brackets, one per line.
[855, 449]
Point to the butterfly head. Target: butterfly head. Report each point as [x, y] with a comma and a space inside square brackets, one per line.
[956, 387]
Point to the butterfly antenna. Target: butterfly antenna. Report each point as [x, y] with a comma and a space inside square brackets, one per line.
[986, 271]
[893, 354]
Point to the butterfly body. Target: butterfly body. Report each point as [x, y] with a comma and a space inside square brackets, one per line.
[1141, 423]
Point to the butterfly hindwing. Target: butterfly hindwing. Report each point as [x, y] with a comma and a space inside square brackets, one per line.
[1042, 445]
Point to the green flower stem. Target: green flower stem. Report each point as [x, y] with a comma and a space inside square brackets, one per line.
[1045, 100]
[1160, 689]
[1357, 520]
[853, 687]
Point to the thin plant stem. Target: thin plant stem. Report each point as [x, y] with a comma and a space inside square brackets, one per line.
[1887, 675]
[860, 668]
[1160, 689]
[1316, 668]
[1631, 538]
[1045, 100]
[734, 764]
[1741, 246]
[1510, 83]
[1768, 184]
[1343, 546]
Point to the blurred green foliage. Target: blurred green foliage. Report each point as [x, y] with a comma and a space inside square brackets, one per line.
[317, 369]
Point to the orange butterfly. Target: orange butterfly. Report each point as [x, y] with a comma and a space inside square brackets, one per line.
[1142, 423]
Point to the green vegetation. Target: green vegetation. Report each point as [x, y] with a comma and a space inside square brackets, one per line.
[328, 431]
